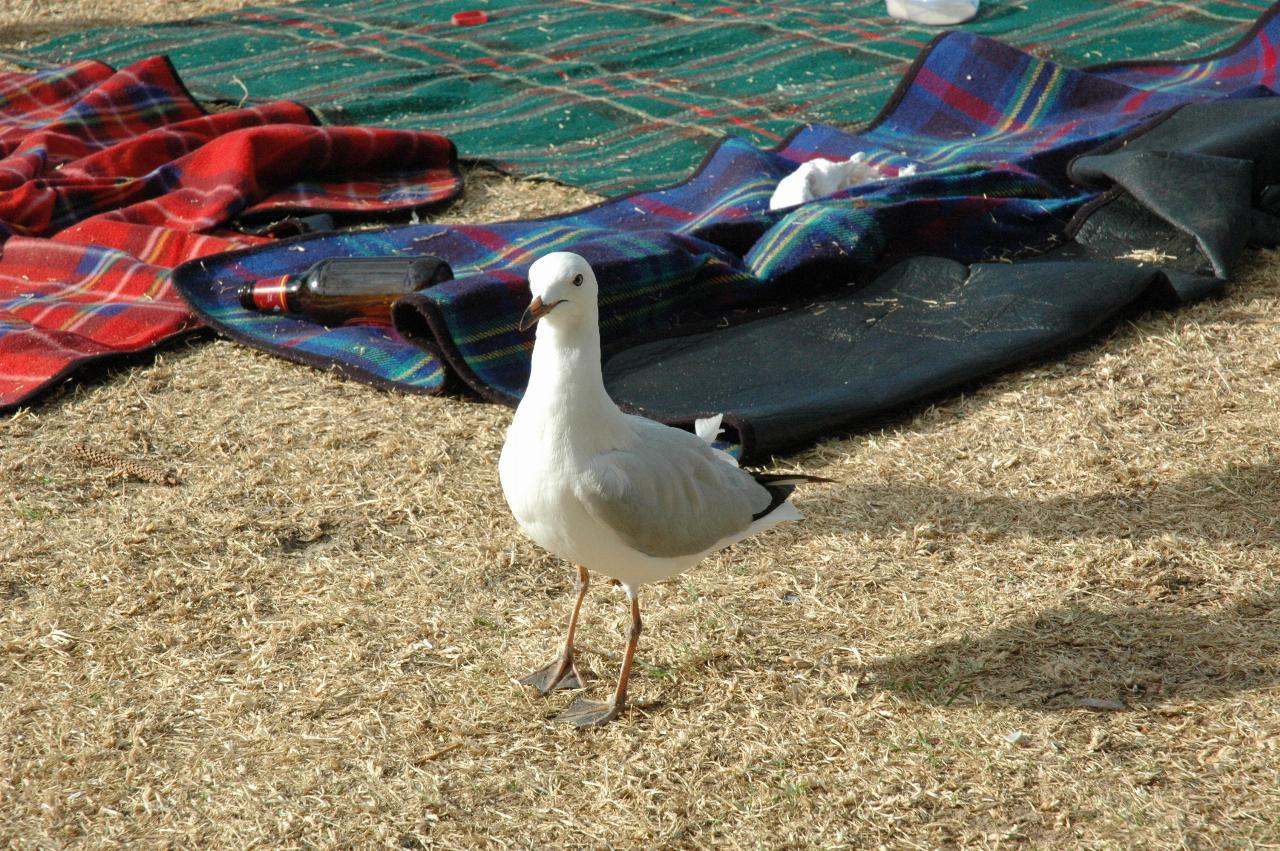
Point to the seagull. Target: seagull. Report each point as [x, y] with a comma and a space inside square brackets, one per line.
[627, 496]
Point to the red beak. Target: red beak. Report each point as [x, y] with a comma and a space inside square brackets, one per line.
[535, 311]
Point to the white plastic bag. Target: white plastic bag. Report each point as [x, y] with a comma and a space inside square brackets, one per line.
[821, 177]
[934, 13]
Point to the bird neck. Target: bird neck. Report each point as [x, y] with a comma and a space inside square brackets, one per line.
[566, 382]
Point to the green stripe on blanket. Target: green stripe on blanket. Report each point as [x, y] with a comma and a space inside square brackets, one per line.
[616, 96]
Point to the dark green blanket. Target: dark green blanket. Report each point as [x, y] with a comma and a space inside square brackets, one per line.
[615, 96]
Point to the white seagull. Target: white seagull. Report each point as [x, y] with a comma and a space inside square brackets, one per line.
[635, 499]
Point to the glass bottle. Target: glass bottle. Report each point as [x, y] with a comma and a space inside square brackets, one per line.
[345, 289]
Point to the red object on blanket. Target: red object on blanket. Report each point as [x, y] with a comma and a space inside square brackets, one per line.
[469, 18]
[109, 179]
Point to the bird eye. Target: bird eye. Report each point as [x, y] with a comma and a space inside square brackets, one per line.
[577, 280]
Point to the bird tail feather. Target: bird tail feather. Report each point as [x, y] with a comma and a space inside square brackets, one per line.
[708, 428]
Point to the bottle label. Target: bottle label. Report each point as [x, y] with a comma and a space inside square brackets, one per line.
[269, 294]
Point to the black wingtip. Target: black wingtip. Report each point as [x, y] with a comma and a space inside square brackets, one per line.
[780, 486]
[767, 479]
[777, 495]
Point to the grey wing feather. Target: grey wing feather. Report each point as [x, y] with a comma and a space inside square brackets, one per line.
[670, 495]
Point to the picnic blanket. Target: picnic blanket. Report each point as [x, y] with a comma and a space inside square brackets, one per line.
[990, 131]
[616, 96]
[109, 179]
[1180, 199]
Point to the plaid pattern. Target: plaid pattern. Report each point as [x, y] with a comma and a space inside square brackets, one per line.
[990, 129]
[109, 179]
[620, 96]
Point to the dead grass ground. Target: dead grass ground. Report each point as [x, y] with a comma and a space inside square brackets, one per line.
[310, 642]
[24, 22]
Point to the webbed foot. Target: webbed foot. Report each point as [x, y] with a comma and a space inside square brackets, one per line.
[559, 673]
[590, 713]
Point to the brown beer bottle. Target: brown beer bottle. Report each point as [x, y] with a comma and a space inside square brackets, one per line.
[346, 289]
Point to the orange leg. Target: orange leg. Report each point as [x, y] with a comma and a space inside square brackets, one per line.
[560, 672]
[594, 713]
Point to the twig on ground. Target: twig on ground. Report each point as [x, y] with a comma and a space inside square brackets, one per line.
[434, 755]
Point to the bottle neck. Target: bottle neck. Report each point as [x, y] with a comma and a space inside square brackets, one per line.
[271, 295]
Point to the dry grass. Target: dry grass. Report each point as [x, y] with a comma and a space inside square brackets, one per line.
[26, 22]
[310, 641]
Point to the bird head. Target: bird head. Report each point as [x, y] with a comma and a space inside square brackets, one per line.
[562, 283]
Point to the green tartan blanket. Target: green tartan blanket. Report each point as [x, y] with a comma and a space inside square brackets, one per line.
[615, 96]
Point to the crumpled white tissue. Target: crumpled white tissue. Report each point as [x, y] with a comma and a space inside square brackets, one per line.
[821, 176]
[936, 13]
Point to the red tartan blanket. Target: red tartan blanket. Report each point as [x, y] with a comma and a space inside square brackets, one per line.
[109, 179]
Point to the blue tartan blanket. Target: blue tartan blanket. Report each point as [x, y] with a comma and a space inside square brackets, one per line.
[989, 130]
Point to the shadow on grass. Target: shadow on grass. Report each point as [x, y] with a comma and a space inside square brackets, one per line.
[1240, 503]
[1134, 656]
[1183, 645]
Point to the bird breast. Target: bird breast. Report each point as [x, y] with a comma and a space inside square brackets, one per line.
[537, 488]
